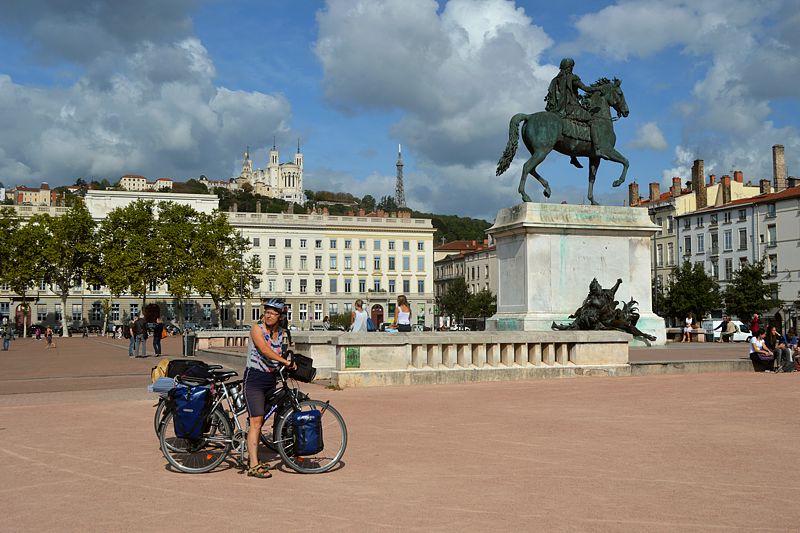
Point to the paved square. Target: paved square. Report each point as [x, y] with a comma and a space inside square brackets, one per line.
[663, 453]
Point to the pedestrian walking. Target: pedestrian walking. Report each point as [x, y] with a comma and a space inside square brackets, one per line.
[48, 335]
[7, 332]
[140, 337]
[158, 334]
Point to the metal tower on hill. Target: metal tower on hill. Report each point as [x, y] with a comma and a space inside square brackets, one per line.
[399, 193]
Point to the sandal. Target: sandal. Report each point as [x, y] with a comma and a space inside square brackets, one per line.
[260, 471]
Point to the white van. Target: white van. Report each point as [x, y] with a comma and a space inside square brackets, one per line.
[742, 333]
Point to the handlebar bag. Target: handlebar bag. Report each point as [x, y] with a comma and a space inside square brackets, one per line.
[179, 367]
[190, 405]
[307, 432]
[305, 371]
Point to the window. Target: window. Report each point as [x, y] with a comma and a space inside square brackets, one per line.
[333, 244]
[391, 286]
[715, 243]
[288, 312]
[772, 236]
[42, 286]
[420, 246]
[376, 262]
[687, 246]
[272, 242]
[96, 313]
[348, 244]
[670, 224]
[406, 246]
[317, 311]
[728, 268]
[770, 210]
[303, 262]
[486, 268]
[271, 285]
[333, 262]
[225, 313]
[255, 313]
[348, 286]
[726, 217]
[133, 310]
[687, 223]
[742, 262]
[362, 285]
[207, 312]
[287, 262]
[727, 240]
[362, 262]
[303, 243]
[406, 263]
[153, 286]
[303, 288]
[773, 265]
[362, 245]
[743, 239]
[96, 287]
[406, 286]
[715, 269]
[348, 262]
[77, 312]
[421, 264]
[287, 243]
[318, 262]
[376, 245]
[287, 286]
[271, 262]
[376, 285]
[659, 255]
[391, 245]
[256, 242]
[659, 223]
[41, 313]
[333, 309]
[420, 286]
[700, 222]
[391, 262]
[333, 287]
[714, 219]
[701, 244]
[303, 312]
[5, 286]
[188, 311]
[742, 215]
[670, 254]
[317, 286]
[318, 244]
[171, 311]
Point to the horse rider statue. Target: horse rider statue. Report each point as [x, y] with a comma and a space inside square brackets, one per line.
[562, 98]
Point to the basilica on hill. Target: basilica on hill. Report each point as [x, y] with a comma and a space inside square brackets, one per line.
[277, 180]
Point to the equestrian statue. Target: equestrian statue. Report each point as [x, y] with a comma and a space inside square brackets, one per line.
[575, 125]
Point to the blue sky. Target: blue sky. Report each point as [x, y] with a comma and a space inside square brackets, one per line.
[179, 89]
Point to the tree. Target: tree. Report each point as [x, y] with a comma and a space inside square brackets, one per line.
[747, 293]
[455, 300]
[387, 203]
[368, 203]
[20, 265]
[223, 270]
[482, 304]
[131, 250]
[178, 229]
[68, 252]
[691, 290]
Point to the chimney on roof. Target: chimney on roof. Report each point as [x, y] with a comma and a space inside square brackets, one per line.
[654, 191]
[791, 181]
[738, 176]
[712, 179]
[699, 184]
[764, 186]
[725, 183]
[676, 186]
[633, 194]
[778, 168]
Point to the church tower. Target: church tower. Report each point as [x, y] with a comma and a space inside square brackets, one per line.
[399, 192]
[247, 165]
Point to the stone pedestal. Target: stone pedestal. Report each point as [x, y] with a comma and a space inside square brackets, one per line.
[547, 255]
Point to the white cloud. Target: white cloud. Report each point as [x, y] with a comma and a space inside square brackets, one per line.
[649, 137]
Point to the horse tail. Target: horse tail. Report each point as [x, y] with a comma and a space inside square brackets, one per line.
[513, 142]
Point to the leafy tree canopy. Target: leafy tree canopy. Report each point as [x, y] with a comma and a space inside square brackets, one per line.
[747, 293]
[691, 290]
[455, 300]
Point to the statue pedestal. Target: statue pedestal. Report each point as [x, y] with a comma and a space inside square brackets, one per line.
[547, 255]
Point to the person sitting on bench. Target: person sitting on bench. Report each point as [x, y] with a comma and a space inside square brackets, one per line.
[762, 357]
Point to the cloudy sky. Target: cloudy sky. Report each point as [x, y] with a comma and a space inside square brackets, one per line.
[179, 88]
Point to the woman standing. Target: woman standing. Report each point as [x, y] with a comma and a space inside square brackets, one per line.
[158, 331]
[265, 357]
[402, 315]
[48, 334]
[358, 319]
[687, 328]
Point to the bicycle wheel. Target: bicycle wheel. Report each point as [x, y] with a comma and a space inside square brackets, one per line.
[334, 436]
[199, 455]
[158, 418]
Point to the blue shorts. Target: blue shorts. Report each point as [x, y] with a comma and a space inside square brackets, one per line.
[258, 386]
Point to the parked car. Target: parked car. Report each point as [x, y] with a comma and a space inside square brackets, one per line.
[742, 333]
[459, 327]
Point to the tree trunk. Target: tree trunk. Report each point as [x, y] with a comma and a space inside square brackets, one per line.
[64, 327]
[219, 311]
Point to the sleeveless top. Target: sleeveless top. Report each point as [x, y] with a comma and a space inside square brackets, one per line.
[261, 362]
[360, 321]
[403, 317]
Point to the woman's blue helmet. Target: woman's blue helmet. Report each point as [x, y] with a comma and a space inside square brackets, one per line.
[275, 303]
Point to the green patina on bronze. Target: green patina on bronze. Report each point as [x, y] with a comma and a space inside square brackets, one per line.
[572, 124]
[352, 357]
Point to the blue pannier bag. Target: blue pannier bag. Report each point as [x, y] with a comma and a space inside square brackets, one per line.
[370, 324]
[307, 432]
[191, 406]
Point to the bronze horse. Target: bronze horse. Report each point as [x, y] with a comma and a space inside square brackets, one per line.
[545, 131]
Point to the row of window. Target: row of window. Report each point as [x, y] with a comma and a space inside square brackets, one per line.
[346, 285]
[333, 244]
[347, 264]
